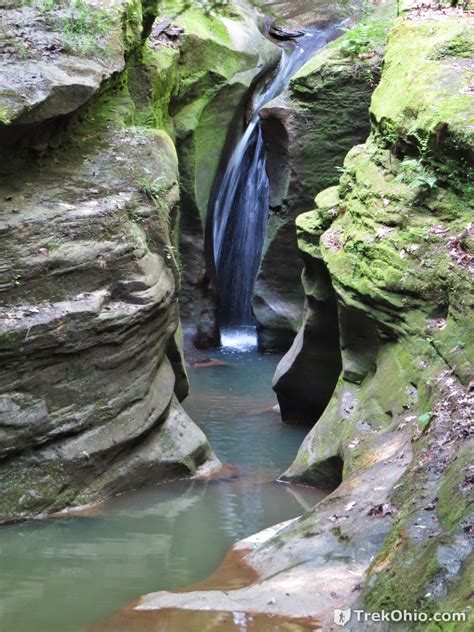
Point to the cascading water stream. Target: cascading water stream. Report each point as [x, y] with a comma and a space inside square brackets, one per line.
[240, 213]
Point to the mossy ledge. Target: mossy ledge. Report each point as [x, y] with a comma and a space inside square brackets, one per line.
[399, 255]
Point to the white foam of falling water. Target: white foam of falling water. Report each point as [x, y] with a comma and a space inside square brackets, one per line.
[241, 339]
[290, 62]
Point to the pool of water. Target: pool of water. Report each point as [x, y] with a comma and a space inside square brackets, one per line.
[59, 575]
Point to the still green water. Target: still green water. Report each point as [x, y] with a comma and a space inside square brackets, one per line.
[59, 575]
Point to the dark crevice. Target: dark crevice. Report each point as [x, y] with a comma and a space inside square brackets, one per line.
[307, 376]
[326, 474]
[276, 141]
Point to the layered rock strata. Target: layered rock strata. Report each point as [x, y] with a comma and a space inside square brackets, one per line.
[308, 131]
[91, 373]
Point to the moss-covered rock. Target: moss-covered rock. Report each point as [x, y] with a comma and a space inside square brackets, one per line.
[423, 101]
[394, 240]
[315, 351]
[57, 55]
[217, 56]
[309, 129]
[399, 256]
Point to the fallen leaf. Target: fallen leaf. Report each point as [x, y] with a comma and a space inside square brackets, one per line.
[385, 509]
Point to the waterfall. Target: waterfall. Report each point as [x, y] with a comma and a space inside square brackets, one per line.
[240, 212]
[240, 226]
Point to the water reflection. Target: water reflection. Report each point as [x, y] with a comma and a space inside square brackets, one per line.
[72, 571]
[62, 574]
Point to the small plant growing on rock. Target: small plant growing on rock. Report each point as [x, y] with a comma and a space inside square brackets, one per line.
[415, 174]
[209, 6]
[154, 188]
[155, 191]
[362, 41]
[4, 117]
[81, 25]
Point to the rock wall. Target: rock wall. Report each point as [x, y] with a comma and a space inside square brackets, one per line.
[399, 255]
[308, 130]
[217, 58]
[395, 241]
[315, 352]
[89, 275]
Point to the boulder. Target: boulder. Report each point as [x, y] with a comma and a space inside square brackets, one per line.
[55, 58]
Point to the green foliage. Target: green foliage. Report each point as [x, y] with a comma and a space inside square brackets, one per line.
[83, 19]
[80, 24]
[22, 50]
[83, 25]
[4, 117]
[460, 47]
[415, 174]
[420, 139]
[364, 39]
[424, 421]
[153, 189]
[49, 5]
[209, 6]
[51, 246]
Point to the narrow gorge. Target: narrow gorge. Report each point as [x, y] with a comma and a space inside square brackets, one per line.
[236, 337]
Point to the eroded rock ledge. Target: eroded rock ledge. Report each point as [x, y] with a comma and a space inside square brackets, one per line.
[308, 130]
[91, 102]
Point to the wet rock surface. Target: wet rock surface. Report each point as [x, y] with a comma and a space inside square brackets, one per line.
[89, 284]
[219, 57]
[308, 131]
[306, 567]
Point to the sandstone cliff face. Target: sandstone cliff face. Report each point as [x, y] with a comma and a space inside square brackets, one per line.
[88, 271]
[308, 130]
[388, 254]
[396, 240]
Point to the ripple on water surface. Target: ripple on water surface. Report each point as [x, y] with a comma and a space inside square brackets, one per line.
[60, 575]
